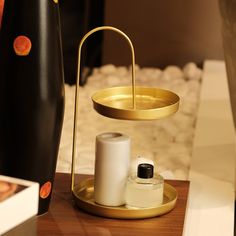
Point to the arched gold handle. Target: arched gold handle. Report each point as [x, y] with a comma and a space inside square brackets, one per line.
[77, 87]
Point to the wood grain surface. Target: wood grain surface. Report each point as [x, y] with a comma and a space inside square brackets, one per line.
[64, 218]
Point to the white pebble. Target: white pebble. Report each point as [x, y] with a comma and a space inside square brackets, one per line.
[184, 136]
[172, 72]
[170, 128]
[108, 69]
[191, 71]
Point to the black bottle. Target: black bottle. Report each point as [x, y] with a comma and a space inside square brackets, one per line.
[31, 92]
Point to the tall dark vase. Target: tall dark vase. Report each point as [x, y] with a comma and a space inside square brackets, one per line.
[31, 92]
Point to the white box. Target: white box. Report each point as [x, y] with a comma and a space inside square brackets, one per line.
[21, 205]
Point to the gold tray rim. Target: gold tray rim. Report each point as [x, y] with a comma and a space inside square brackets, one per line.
[99, 104]
[121, 212]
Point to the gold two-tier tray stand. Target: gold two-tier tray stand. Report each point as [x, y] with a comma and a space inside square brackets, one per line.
[126, 103]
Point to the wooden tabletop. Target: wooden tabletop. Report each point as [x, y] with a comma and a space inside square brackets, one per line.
[64, 218]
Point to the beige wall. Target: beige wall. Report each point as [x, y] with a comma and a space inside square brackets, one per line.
[163, 32]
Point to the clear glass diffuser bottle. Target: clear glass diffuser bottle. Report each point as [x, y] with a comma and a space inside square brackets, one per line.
[145, 189]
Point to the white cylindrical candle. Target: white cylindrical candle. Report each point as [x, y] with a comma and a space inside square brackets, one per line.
[111, 168]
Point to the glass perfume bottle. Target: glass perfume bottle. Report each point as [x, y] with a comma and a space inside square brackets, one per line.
[145, 189]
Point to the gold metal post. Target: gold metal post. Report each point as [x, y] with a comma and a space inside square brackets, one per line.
[78, 81]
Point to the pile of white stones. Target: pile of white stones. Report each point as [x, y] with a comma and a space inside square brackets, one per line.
[167, 142]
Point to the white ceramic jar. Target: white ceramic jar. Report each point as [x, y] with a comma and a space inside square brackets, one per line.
[111, 168]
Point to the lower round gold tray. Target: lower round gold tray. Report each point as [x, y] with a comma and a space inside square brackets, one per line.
[84, 198]
[151, 103]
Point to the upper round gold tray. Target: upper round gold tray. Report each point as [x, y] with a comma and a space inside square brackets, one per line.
[84, 198]
[150, 103]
